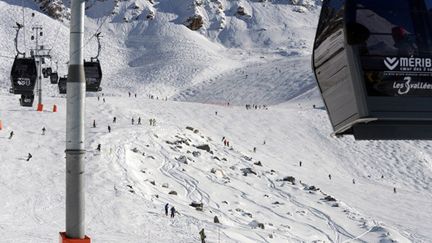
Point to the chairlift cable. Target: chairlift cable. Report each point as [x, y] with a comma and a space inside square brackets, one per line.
[54, 45]
[96, 32]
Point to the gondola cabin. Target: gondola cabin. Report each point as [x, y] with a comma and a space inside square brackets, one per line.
[373, 63]
[23, 75]
[93, 75]
[54, 78]
[27, 99]
[62, 85]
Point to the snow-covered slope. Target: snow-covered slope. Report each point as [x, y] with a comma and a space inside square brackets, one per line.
[162, 56]
[129, 181]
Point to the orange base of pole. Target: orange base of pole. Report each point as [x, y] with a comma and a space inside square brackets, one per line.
[54, 108]
[40, 107]
[64, 239]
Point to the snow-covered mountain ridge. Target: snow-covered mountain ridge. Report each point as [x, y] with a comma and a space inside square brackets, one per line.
[153, 51]
[260, 56]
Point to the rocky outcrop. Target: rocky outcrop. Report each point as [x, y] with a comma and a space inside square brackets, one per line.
[53, 8]
[195, 22]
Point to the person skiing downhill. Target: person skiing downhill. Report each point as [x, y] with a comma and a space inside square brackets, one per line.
[43, 130]
[11, 135]
[166, 209]
[139, 120]
[29, 156]
[109, 129]
[202, 236]
[94, 123]
[98, 147]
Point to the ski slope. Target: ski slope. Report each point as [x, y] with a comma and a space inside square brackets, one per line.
[124, 205]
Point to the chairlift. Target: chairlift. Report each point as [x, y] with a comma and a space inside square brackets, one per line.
[372, 61]
[62, 84]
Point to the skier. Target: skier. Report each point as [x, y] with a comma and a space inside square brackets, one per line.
[98, 98]
[264, 142]
[11, 135]
[154, 121]
[151, 121]
[173, 211]
[139, 120]
[29, 156]
[394, 189]
[135, 95]
[202, 235]
[166, 209]
[109, 128]
[94, 123]
[133, 121]
[43, 130]
[129, 93]
[98, 147]
[254, 149]
[300, 163]
[114, 120]
[216, 113]
[104, 100]
[353, 181]
[329, 176]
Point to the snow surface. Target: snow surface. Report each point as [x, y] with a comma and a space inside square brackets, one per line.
[258, 59]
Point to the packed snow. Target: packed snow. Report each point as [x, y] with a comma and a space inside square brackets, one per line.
[282, 178]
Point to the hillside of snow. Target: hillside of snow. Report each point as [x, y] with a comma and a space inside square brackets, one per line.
[160, 55]
[130, 180]
[244, 52]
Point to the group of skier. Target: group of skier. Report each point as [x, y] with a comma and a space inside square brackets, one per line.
[256, 107]
[172, 210]
[225, 141]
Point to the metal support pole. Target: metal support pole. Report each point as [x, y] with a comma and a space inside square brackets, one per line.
[36, 31]
[75, 150]
[40, 81]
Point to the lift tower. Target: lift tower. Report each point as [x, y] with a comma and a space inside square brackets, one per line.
[75, 144]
